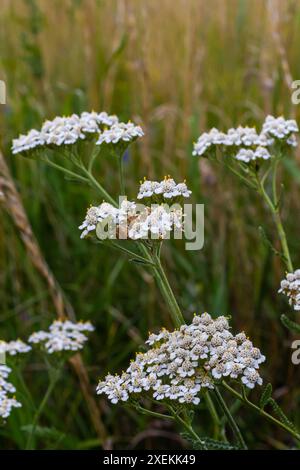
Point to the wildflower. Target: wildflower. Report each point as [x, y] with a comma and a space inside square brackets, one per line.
[14, 347]
[251, 377]
[252, 145]
[62, 336]
[248, 155]
[7, 403]
[64, 130]
[6, 406]
[95, 215]
[207, 140]
[279, 128]
[179, 364]
[120, 132]
[290, 286]
[235, 137]
[158, 221]
[246, 136]
[93, 122]
[167, 188]
[27, 142]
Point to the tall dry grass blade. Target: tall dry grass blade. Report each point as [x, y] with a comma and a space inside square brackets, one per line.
[13, 204]
[274, 14]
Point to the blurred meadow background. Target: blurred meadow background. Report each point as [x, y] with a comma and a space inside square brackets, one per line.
[177, 68]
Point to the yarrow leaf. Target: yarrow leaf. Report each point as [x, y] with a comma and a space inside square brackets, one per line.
[206, 443]
[291, 325]
[266, 395]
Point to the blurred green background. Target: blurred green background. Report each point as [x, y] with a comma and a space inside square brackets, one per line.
[177, 68]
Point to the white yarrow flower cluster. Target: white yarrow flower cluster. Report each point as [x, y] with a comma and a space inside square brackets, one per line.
[252, 145]
[157, 222]
[241, 136]
[167, 188]
[65, 130]
[62, 336]
[14, 347]
[179, 364]
[120, 132]
[136, 221]
[96, 214]
[279, 128]
[248, 155]
[7, 402]
[130, 222]
[290, 286]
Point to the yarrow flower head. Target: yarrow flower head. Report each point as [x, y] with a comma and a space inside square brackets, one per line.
[180, 364]
[130, 221]
[251, 146]
[167, 188]
[136, 221]
[7, 400]
[248, 155]
[290, 286]
[62, 336]
[69, 130]
[96, 214]
[279, 127]
[158, 222]
[14, 347]
[120, 133]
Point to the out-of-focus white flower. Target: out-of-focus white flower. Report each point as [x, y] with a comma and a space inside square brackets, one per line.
[279, 127]
[292, 141]
[7, 403]
[93, 122]
[183, 362]
[6, 406]
[14, 347]
[248, 155]
[252, 144]
[120, 132]
[247, 137]
[64, 130]
[27, 142]
[235, 137]
[147, 189]
[290, 286]
[62, 336]
[207, 140]
[167, 188]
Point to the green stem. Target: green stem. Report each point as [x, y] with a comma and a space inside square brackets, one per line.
[130, 253]
[24, 386]
[121, 174]
[187, 426]
[168, 293]
[260, 411]
[53, 380]
[93, 157]
[98, 186]
[65, 170]
[231, 420]
[274, 209]
[213, 412]
[242, 177]
[155, 414]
